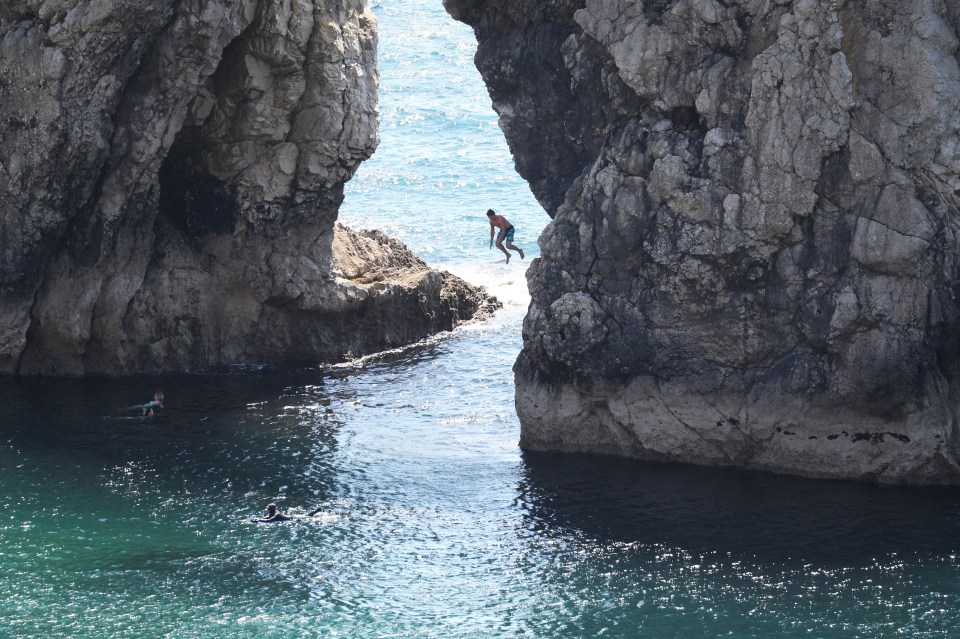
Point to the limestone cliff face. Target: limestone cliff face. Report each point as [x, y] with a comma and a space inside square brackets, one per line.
[170, 174]
[753, 258]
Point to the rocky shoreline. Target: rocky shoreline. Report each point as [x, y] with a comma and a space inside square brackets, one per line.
[170, 177]
[756, 222]
[753, 253]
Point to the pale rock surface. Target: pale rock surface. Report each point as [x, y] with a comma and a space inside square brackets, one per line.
[753, 258]
[170, 175]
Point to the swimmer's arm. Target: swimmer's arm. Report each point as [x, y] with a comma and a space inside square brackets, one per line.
[268, 520]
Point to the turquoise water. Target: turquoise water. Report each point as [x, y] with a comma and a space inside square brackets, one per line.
[434, 523]
[442, 160]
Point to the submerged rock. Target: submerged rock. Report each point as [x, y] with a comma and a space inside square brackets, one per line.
[170, 176]
[756, 229]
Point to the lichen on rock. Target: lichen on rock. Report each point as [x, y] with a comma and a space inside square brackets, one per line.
[753, 250]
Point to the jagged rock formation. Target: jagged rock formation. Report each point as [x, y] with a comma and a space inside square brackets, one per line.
[170, 174]
[753, 258]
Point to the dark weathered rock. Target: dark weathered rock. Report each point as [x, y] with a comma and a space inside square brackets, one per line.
[170, 175]
[753, 253]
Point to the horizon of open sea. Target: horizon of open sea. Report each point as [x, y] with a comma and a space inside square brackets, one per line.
[433, 523]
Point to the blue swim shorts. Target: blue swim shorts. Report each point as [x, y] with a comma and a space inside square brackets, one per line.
[509, 236]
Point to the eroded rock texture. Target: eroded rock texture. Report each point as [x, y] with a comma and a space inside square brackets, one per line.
[170, 174]
[753, 258]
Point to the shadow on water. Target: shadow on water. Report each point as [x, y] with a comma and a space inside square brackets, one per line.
[237, 434]
[231, 423]
[188, 396]
[203, 393]
[741, 514]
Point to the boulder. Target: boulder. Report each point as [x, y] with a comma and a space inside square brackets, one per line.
[753, 253]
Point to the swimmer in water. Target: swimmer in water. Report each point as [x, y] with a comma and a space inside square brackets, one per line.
[272, 515]
[155, 403]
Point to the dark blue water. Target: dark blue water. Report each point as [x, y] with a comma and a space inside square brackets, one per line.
[434, 524]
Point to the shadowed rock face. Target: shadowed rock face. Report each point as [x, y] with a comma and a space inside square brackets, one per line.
[170, 174]
[753, 258]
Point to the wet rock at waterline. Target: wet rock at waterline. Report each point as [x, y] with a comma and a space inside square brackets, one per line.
[170, 175]
[753, 258]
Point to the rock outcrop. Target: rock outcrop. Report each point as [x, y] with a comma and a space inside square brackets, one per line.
[753, 258]
[170, 175]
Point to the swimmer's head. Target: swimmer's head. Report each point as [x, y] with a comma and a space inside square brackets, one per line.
[271, 508]
[158, 395]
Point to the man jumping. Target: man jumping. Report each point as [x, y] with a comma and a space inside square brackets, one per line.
[505, 232]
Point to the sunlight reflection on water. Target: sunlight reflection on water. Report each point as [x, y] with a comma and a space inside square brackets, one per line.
[433, 523]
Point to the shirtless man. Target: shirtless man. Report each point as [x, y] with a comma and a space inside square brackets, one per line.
[505, 232]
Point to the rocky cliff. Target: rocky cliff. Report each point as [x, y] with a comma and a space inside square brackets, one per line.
[753, 258]
[170, 174]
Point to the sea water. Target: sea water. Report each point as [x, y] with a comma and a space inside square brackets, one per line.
[433, 522]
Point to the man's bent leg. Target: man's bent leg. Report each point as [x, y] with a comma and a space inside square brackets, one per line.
[505, 251]
[515, 248]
